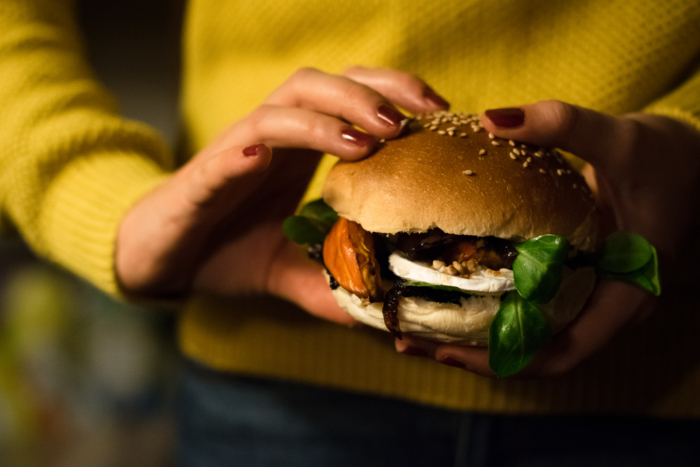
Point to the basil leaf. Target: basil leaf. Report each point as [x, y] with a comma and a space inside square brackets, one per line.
[646, 277]
[447, 288]
[517, 332]
[539, 267]
[300, 229]
[624, 252]
[320, 211]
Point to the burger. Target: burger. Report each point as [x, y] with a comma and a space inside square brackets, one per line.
[429, 229]
[453, 234]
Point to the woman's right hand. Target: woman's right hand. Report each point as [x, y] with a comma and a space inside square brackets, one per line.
[216, 224]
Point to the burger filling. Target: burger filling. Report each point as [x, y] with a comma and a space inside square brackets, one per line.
[433, 266]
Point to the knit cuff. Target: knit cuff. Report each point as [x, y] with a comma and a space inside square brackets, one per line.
[678, 114]
[84, 206]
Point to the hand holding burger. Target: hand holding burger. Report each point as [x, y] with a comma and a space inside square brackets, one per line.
[449, 235]
[645, 181]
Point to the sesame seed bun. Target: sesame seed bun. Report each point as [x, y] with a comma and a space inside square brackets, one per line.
[449, 173]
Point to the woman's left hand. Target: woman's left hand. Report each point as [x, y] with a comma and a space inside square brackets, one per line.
[645, 173]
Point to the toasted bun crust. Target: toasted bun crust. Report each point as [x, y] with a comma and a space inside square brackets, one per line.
[469, 324]
[440, 178]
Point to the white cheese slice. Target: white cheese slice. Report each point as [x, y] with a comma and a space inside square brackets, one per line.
[484, 282]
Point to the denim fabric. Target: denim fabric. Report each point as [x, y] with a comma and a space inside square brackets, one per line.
[228, 420]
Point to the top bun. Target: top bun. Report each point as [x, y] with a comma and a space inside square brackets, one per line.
[447, 172]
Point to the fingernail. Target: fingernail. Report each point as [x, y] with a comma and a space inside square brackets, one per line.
[437, 101]
[449, 361]
[391, 117]
[510, 117]
[414, 351]
[252, 150]
[356, 137]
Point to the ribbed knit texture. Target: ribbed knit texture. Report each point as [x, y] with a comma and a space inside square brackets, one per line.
[70, 168]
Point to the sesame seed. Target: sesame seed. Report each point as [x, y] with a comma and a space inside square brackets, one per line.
[539, 153]
[482, 152]
[492, 136]
[382, 140]
[451, 133]
[516, 151]
[542, 171]
[441, 132]
[468, 172]
[511, 142]
[529, 159]
[451, 128]
[560, 172]
[427, 125]
[525, 164]
[512, 156]
[462, 135]
[524, 146]
[433, 128]
[495, 143]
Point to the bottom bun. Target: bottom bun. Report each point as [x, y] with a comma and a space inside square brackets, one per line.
[470, 322]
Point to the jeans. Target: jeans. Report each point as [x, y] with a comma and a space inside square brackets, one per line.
[228, 420]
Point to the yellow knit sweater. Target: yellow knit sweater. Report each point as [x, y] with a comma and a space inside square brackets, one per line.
[70, 166]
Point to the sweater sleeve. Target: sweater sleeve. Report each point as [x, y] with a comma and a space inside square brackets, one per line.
[70, 167]
[683, 103]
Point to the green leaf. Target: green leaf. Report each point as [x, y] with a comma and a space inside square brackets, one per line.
[517, 332]
[321, 212]
[539, 267]
[447, 288]
[624, 252]
[646, 277]
[300, 229]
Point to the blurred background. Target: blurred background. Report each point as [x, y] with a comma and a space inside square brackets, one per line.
[85, 380]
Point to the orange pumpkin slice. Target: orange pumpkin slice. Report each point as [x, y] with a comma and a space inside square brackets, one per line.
[348, 253]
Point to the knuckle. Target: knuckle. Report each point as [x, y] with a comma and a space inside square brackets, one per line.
[564, 117]
[304, 73]
[354, 70]
[355, 93]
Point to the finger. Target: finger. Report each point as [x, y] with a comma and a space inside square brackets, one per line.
[583, 132]
[612, 306]
[472, 359]
[339, 96]
[403, 89]
[414, 346]
[300, 280]
[278, 126]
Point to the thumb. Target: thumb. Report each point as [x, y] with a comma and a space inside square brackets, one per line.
[586, 133]
[206, 176]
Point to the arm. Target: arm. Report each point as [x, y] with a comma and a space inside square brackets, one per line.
[69, 165]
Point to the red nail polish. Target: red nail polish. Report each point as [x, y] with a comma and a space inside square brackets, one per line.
[506, 118]
[390, 116]
[356, 137]
[414, 351]
[436, 100]
[449, 361]
[252, 150]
